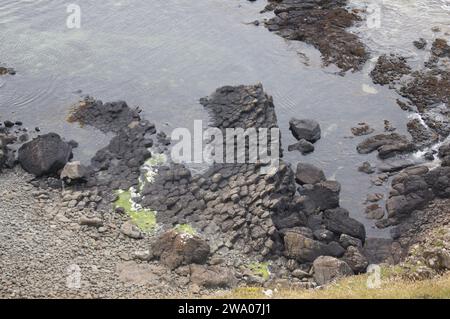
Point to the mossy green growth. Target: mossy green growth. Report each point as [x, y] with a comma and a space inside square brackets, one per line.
[185, 229]
[260, 269]
[145, 219]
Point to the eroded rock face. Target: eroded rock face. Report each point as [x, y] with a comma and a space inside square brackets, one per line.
[322, 24]
[44, 155]
[328, 269]
[175, 249]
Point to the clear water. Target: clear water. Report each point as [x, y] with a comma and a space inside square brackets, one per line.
[165, 55]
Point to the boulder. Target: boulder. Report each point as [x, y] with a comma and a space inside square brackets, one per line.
[328, 269]
[73, 171]
[212, 277]
[305, 249]
[175, 248]
[323, 195]
[346, 241]
[338, 221]
[302, 248]
[309, 174]
[46, 154]
[355, 259]
[305, 129]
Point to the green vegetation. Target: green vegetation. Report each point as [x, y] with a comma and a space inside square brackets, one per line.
[355, 287]
[145, 219]
[260, 269]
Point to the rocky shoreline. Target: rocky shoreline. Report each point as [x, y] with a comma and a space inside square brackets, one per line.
[134, 223]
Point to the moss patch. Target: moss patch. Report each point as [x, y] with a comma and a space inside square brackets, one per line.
[145, 219]
[260, 269]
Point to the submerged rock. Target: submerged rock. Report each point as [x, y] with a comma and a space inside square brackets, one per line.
[46, 154]
[389, 68]
[322, 24]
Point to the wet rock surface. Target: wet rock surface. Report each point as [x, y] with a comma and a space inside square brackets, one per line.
[322, 24]
[387, 145]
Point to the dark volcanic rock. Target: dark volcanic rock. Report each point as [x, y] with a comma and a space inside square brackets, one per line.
[305, 129]
[175, 249]
[388, 145]
[108, 117]
[323, 195]
[322, 24]
[422, 136]
[338, 221]
[303, 146]
[46, 154]
[309, 174]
